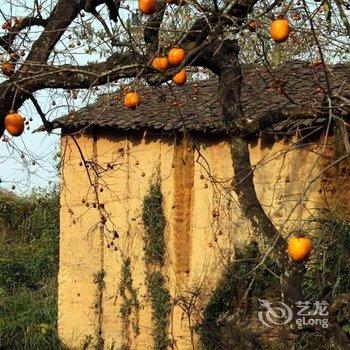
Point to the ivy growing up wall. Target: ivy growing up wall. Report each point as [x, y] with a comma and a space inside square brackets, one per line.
[154, 246]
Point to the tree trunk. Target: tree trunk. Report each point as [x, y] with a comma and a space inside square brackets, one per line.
[230, 82]
[262, 225]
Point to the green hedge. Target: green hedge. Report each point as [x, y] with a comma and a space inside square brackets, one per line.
[29, 236]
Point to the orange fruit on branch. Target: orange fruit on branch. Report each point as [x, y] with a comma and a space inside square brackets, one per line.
[14, 124]
[299, 248]
[160, 63]
[280, 29]
[180, 78]
[176, 55]
[132, 100]
[8, 68]
[147, 6]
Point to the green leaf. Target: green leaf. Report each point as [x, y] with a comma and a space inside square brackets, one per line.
[346, 328]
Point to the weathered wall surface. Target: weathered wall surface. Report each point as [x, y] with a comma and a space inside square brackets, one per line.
[204, 224]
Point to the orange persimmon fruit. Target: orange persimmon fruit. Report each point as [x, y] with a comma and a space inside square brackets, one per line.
[176, 55]
[180, 78]
[280, 29]
[299, 248]
[14, 124]
[132, 100]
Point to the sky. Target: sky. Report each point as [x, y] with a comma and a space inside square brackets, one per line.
[26, 162]
[30, 161]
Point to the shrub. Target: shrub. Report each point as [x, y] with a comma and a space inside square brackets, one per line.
[29, 234]
[227, 317]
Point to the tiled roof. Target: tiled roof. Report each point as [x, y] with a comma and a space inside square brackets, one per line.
[196, 106]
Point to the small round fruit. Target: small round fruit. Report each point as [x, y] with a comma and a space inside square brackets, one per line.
[280, 30]
[14, 124]
[296, 16]
[132, 100]
[254, 25]
[8, 68]
[160, 63]
[14, 56]
[180, 78]
[147, 6]
[6, 25]
[176, 55]
[299, 248]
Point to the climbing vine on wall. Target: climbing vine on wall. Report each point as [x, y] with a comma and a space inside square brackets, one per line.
[100, 283]
[130, 304]
[160, 300]
[154, 220]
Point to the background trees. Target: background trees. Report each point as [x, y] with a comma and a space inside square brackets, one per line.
[29, 232]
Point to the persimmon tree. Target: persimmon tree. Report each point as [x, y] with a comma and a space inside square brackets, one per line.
[51, 46]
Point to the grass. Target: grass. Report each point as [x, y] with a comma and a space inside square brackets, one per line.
[29, 233]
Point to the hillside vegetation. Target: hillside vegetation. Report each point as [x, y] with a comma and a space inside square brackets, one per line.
[29, 235]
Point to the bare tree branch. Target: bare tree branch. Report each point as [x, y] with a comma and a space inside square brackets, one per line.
[7, 40]
[47, 124]
[151, 31]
